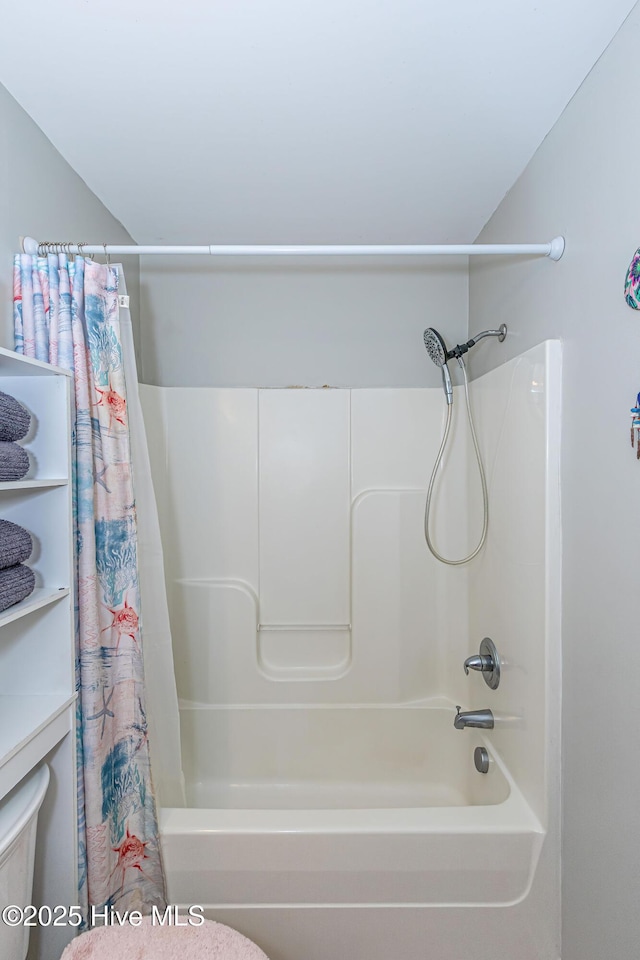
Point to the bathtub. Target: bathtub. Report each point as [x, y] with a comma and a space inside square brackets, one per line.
[344, 805]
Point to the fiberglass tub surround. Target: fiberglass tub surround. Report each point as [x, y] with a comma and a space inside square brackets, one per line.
[328, 758]
[319, 647]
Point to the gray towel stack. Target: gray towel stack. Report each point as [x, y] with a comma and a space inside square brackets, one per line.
[15, 419]
[16, 544]
[16, 580]
[16, 583]
[14, 461]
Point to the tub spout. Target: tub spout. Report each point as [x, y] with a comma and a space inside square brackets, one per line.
[473, 718]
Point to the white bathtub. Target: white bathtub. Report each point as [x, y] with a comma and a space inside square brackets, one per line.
[344, 805]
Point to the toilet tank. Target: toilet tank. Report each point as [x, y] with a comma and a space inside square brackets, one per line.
[18, 821]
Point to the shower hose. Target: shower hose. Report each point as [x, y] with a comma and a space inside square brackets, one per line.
[483, 481]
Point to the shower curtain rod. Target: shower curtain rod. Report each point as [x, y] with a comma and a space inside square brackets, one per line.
[554, 249]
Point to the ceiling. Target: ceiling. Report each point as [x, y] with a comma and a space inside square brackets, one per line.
[301, 121]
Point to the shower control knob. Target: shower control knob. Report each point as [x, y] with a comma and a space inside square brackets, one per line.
[478, 663]
[487, 662]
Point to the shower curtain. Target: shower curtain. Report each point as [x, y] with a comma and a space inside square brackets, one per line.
[67, 313]
[160, 683]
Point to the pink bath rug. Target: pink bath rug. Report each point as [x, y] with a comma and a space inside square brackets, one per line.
[209, 941]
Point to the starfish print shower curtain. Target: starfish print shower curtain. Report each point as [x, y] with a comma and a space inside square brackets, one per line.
[66, 313]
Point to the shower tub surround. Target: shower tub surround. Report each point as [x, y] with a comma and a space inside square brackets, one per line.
[332, 807]
[346, 805]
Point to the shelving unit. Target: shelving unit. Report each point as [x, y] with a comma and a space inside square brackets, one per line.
[31, 484]
[41, 597]
[37, 688]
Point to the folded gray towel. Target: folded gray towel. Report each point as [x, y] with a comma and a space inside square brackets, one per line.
[14, 461]
[16, 544]
[16, 583]
[15, 419]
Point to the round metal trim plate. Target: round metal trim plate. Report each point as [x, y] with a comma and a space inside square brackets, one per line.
[491, 677]
[481, 760]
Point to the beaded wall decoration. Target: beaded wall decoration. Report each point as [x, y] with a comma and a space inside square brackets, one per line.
[635, 426]
[632, 282]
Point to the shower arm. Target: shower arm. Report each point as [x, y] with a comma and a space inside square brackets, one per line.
[463, 348]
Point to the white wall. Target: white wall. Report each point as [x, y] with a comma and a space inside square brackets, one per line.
[514, 598]
[266, 324]
[42, 197]
[581, 184]
[293, 543]
[513, 589]
[292, 523]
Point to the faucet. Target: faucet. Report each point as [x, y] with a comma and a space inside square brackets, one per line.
[473, 718]
[487, 662]
[478, 662]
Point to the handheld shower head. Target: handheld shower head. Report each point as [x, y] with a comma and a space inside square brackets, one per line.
[435, 346]
[437, 350]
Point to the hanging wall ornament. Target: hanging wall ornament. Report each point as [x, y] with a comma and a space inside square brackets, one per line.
[632, 282]
[635, 426]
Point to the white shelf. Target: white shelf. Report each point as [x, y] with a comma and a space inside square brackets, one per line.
[29, 727]
[32, 484]
[22, 717]
[41, 597]
[37, 646]
[37, 651]
[13, 364]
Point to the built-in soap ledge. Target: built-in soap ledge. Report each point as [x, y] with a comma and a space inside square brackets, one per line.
[304, 651]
